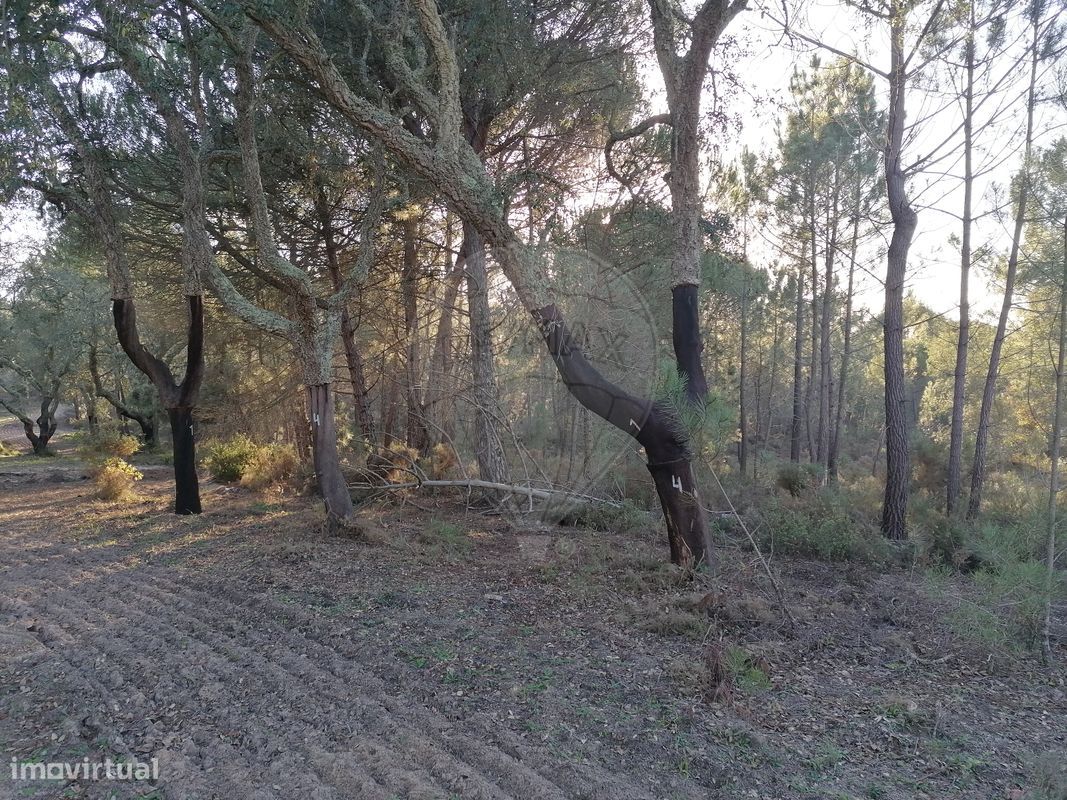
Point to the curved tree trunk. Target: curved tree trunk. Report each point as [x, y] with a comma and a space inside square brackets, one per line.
[655, 428]
[45, 423]
[146, 422]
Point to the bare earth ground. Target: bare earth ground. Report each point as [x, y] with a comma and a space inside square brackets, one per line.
[471, 657]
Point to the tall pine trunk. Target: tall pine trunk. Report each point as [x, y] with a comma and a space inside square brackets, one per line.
[1054, 452]
[364, 417]
[417, 436]
[981, 443]
[846, 354]
[898, 469]
[798, 374]
[959, 383]
[492, 464]
[742, 456]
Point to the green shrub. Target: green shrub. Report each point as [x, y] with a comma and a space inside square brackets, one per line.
[824, 528]
[114, 479]
[938, 539]
[6, 452]
[270, 465]
[627, 517]
[798, 479]
[227, 461]
[108, 443]
[1004, 605]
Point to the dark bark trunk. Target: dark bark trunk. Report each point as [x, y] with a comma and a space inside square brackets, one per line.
[178, 398]
[45, 424]
[186, 483]
[688, 347]
[655, 428]
[327, 462]
[974, 505]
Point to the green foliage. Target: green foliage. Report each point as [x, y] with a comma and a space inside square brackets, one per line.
[825, 527]
[114, 479]
[228, 460]
[1002, 607]
[708, 425]
[798, 479]
[626, 517]
[106, 443]
[269, 466]
[747, 673]
[444, 538]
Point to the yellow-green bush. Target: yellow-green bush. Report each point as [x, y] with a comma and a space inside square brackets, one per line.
[114, 479]
[270, 465]
[228, 460]
[108, 443]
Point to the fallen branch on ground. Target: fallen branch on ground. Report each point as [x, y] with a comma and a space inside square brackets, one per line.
[528, 491]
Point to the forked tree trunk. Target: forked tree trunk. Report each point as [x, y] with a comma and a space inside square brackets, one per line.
[364, 418]
[45, 424]
[325, 457]
[178, 398]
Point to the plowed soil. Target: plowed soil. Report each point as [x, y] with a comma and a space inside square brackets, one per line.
[459, 655]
